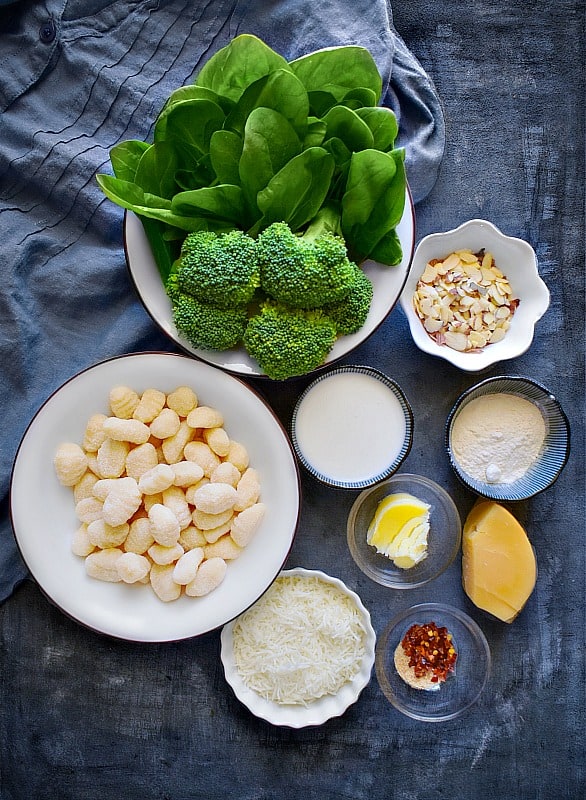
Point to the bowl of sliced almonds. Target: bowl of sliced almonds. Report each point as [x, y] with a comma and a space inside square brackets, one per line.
[474, 295]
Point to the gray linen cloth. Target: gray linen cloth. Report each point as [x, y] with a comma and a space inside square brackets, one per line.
[78, 76]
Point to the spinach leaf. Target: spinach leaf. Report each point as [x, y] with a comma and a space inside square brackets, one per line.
[346, 125]
[269, 143]
[338, 69]
[221, 202]
[296, 193]
[282, 92]
[341, 153]
[156, 170]
[316, 130]
[389, 250]
[320, 102]
[397, 187]
[190, 125]
[163, 251]
[131, 196]
[201, 175]
[225, 152]
[359, 98]
[181, 95]
[374, 199]
[125, 158]
[233, 68]
[383, 125]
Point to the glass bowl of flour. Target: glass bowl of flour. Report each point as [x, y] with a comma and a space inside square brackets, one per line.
[507, 438]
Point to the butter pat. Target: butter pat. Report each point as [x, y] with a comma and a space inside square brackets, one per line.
[399, 529]
[498, 563]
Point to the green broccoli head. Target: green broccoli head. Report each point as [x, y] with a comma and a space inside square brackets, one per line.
[303, 271]
[219, 268]
[287, 341]
[204, 325]
[349, 315]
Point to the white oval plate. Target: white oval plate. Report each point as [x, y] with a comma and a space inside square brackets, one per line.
[318, 712]
[44, 520]
[388, 283]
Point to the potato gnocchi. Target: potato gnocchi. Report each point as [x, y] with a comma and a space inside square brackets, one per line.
[163, 495]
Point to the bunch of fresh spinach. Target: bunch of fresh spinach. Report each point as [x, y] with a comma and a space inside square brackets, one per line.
[256, 139]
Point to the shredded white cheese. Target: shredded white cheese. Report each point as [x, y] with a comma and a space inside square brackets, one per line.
[302, 640]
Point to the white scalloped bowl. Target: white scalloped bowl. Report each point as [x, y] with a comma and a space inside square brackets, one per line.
[517, 261]
[319, 711]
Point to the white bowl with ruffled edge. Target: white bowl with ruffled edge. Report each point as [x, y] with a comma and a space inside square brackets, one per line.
[515, 258]
[318, 711]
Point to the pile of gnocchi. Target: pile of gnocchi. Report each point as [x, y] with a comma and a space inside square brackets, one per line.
[163, 495]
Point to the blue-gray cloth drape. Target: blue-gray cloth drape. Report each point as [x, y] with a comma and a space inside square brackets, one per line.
[78, 76]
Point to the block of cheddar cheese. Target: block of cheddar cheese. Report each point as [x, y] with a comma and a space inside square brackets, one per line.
[498, 562]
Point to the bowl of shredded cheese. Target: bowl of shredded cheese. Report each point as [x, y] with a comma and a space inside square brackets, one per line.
[303, 652]
[507, 438]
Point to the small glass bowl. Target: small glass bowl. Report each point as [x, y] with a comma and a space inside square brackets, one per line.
[555, 451]
[461, 689]
[338, 419]
[444, 536]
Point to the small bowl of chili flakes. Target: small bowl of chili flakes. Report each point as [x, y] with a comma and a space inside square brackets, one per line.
[474, 295]
[432, 662]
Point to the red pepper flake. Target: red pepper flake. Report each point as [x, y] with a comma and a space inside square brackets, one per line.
[430, 650]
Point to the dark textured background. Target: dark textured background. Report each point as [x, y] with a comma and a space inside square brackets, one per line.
[83, 716]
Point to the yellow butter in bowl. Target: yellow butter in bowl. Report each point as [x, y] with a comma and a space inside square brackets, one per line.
[399, 529]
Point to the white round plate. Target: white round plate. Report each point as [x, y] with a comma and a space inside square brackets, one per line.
[387, 281]
[318, 712]
[44, 519]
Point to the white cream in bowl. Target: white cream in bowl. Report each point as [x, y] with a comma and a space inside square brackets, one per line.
[352, 427]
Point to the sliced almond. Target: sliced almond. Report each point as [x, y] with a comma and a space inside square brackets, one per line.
[432, 325]
[497, 335]
[429, 274]
[457, 341]
[464, 300]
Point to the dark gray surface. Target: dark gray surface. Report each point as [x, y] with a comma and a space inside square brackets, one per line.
[83, 716]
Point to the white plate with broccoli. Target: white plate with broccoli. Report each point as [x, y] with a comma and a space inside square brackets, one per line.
[387, 283]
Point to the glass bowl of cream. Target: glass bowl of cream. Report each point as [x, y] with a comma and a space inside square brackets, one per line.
[404, 532]
[352, 427]
[507, 438]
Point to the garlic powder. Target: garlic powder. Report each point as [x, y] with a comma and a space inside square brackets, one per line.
[497, 437]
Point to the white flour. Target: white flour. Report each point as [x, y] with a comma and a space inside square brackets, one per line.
[497, 437]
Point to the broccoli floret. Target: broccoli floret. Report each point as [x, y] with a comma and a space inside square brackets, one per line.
[205, 325]
[349, 315]
[219, 268]
[286, 341]
[306, 270]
